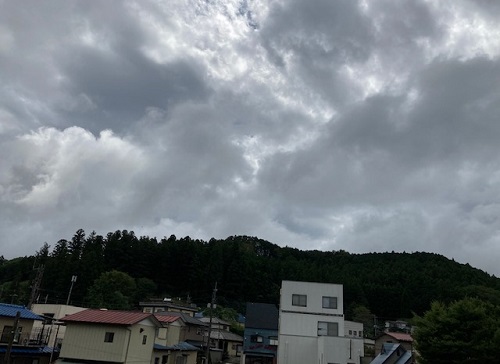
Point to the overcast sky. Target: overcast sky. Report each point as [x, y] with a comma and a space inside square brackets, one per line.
[368, 126]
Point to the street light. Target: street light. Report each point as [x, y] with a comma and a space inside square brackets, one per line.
[73, 280]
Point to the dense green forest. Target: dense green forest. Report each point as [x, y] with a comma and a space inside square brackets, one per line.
[390, 285]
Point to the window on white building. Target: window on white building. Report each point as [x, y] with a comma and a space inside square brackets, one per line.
[299, 300]
[329, 302]
[328, 328]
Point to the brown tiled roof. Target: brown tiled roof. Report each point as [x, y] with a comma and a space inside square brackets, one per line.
[108, 317]
[400, 336]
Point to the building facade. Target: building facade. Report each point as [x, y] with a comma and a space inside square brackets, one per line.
[261, 334]
[312, 325]
[109, 337]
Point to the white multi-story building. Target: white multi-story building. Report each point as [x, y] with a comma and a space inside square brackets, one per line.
[312, 326]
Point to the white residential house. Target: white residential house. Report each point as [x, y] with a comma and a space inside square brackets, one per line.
[312, 326]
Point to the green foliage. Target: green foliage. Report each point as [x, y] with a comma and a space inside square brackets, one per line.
[363, 314]
[112, 290]
[464, 331]
[246, 269]
[227, 314]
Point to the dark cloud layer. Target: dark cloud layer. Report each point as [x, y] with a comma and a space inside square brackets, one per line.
[356, 125]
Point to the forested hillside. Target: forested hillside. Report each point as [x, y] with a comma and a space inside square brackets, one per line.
[391, 285]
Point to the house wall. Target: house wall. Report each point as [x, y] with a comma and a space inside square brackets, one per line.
[314, 292]
[86, 341]
[49, 332]
[298, 326]
[193, 332]
[189, 357]
[234, 348]
[353, 329]
[265, 346]
[25, 325]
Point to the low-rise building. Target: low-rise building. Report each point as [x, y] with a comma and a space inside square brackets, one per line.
[260, 344]
[388, 337]
[393, 354]
[108, 336]
[17, 341]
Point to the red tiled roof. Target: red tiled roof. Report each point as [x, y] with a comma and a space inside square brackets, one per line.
[400, 336]
[108, 317]
[167, 318]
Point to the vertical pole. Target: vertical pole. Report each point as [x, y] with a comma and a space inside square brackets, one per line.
[73, 280]
[207, 355]
[36, 285]
[12, 336]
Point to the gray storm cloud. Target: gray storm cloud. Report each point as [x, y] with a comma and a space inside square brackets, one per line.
[356, 125]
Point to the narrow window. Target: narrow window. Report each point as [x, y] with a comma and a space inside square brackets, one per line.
[329, 302]
[144, 339]
[108, 337]
[299, 300]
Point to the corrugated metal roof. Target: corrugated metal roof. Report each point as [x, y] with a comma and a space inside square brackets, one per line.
[108, 317]
[215, 320]
[400, 336]
[225, 335]
[167, 318]
[182, 346]
[185, 317]
[8, 310]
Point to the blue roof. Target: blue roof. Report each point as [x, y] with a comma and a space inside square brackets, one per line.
[387, 350]
[405, 358]
[32, 350]
[182, 346]
[7, 310]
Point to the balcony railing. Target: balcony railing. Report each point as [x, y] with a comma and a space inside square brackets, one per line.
[37, 337]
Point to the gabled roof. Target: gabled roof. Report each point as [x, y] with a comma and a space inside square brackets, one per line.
[400, 336]
[167, 318]
[109, 317]
[8, 310]
[225, 335]
[262, 316]
[184, 316]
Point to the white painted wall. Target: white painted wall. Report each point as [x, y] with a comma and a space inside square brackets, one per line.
[298, 327]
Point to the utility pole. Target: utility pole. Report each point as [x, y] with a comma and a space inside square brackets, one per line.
[36, 285]
[13, 335]
[212, 303]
